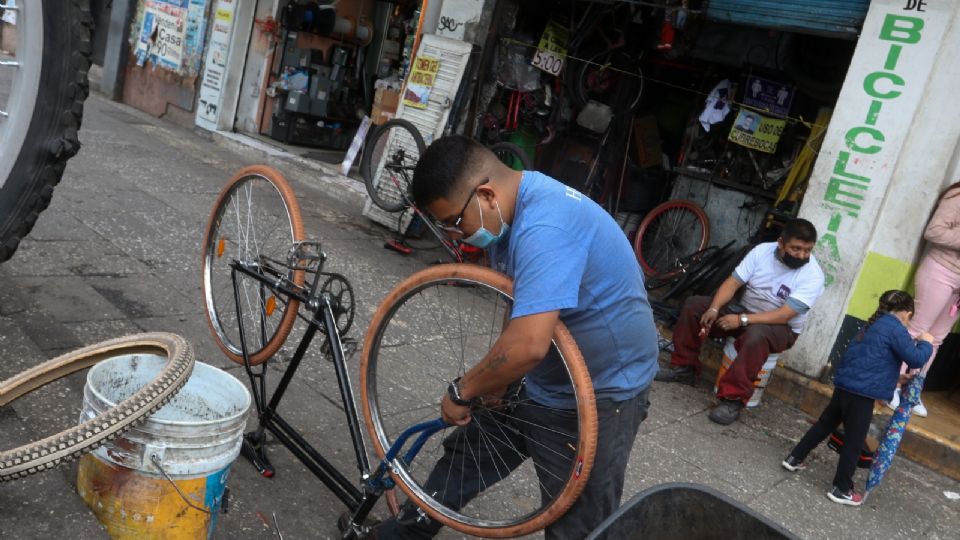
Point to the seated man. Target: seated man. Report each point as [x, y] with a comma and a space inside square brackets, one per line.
[783, 281]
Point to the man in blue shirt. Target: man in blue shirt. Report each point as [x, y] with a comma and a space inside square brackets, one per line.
[570, 262]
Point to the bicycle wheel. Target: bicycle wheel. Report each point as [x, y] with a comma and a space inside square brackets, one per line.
[512, 156]
[69, 444]
[256, 220]
[391, 152]
[667, 233]
[430, 329]
[611, 78]
[42, 90]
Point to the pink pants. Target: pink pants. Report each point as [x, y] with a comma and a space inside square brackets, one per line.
[937, 292]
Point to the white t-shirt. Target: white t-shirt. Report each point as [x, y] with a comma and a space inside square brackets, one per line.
[770, 284]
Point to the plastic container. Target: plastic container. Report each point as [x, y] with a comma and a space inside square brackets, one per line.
[762, 380]
[687, 511]
[195, 438]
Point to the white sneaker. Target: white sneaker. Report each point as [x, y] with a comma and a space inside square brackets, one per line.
[920, 410]
[895, 402]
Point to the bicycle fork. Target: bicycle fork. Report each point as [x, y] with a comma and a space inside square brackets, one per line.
[380, 481]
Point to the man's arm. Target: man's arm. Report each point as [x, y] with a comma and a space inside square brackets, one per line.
[725, 293]
[521, 346]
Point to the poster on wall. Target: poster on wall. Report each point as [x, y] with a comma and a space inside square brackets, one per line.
[769, 96]
[162, 33]
[754, 130]
[171, 34]
[215, 65]
[420, 83]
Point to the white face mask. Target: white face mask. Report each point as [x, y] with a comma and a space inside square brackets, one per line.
[484, 238]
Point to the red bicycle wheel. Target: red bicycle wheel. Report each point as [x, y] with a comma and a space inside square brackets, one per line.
[668, 232]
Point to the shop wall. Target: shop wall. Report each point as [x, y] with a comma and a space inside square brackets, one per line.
[166, 43]
[261, 47]
[884, 159]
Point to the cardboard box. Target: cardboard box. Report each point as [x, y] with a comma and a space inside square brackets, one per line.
[385, 103]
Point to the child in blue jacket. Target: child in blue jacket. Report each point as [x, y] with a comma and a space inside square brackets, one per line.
[869, 371]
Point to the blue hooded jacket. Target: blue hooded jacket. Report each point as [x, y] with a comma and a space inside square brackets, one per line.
[871, 366]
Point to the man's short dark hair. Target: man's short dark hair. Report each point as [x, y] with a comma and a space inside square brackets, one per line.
[799, 229]
[444, 166]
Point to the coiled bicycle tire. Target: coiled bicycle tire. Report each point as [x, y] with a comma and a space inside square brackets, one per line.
[70, 444]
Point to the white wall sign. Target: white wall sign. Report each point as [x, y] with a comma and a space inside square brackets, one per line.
[214, 71]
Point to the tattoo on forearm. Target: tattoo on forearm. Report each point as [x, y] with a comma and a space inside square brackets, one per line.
[496, 362]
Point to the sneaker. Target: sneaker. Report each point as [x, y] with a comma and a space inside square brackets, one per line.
[895, 402]
[727, 412]
[920, 410]
[677, 374]
[792, 464]
[850, 499]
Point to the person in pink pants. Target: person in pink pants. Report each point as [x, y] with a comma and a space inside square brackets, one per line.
[937, 281]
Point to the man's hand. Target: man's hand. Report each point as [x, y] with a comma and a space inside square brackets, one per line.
[707, 319]
[453, 413]
[926, 336]
[728, 322]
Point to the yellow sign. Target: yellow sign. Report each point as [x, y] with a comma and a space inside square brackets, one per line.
[552, 51]
[420, 83]
[756, 131]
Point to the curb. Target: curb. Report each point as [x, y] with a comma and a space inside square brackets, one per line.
[810, 396]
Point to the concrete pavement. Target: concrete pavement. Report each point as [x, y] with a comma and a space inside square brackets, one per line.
[119, 252]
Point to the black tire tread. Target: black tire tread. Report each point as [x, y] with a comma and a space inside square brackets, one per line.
[66, 144]
[366, 161]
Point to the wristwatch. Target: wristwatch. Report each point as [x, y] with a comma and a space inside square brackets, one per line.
[744, 320]
[454, 392]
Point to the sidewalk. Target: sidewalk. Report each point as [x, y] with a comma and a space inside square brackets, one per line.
[119, 252]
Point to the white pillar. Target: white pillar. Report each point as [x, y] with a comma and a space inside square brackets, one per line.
[886, 152]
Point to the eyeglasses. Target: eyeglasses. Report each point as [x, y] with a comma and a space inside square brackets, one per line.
[455, 227]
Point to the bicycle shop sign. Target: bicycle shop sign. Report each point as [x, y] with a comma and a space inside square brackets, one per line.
[847, 189]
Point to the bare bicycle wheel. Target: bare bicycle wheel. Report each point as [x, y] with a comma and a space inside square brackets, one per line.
[390, 154]
[668, 233]
[255, 221]
[432, 328]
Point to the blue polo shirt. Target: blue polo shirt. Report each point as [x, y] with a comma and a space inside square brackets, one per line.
[566, 253]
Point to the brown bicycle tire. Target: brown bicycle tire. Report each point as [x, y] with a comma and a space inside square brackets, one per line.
[275, 178]
[583, 387]
[67, 445]
[679, 204]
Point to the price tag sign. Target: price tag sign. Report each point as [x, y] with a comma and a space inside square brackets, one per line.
[551, 52]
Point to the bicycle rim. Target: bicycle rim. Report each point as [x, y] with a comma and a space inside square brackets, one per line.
[255, 221]
[430, 329]
[18, 97]
[669, 232]
[392, 152]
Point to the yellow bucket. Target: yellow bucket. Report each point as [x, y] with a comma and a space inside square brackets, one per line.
[165, 478]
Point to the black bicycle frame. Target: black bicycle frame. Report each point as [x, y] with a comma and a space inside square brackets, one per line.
[360, 500]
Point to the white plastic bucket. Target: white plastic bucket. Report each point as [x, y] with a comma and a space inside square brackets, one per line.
[762, 380]
[195, 437]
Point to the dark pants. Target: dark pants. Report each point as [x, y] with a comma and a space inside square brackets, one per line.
[754, 344]
[463, 472]
[855, 412]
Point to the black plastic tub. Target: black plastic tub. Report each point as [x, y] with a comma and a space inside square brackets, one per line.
[688, 512]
